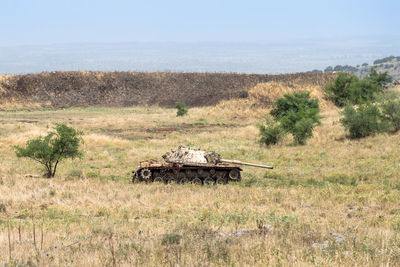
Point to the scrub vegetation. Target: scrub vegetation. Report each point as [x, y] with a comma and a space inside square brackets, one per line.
[332, 202]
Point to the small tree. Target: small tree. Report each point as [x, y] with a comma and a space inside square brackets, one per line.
[391, 113]
[378, 79]
[182, 109]
[339, 90]
[302, 130]
[293, 113]
[297, 114]
[362, 121]
[347, 88]
[63, 143]
[271, 132]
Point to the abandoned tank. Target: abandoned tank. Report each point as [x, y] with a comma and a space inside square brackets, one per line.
[190, 165]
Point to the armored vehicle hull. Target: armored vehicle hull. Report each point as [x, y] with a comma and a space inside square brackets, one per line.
[186, 173]
[190, 165]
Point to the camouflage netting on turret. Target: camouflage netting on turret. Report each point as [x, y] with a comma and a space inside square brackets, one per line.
[187, 155]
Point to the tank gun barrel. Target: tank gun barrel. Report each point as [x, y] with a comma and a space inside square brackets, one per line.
[245, 163]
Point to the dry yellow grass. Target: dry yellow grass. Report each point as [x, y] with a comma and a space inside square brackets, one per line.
[263, 95]
[91, 214]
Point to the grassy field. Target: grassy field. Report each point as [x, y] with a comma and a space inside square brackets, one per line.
[333, 202]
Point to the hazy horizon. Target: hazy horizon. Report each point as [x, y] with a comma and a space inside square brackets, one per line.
[245, 57]
[224, 36]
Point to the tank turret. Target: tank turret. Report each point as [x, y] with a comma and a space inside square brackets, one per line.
[187, 155]
[191, 165]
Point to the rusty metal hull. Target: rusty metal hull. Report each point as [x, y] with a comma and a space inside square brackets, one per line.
[191, 165]
[200, 173]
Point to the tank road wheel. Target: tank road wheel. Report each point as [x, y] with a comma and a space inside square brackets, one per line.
[234, 175]
[162, 173]
[209, 181]
[155, 174]
[158, 179]
[196, 180]
[172, 180]
[183, 180]
[212, 172]
[221, 174]
[221, 180]
[146, 174]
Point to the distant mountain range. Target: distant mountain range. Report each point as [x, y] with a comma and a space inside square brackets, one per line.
[259, 58]
[390, 64]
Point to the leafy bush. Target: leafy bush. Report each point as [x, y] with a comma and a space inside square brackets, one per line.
[297, 114]
[171, 239]
[362, 121]
[271, 132]
[293, 113]
[391, 113]
[53, 148]
[303, 130]
[378, 79]
[339, 89]
[347, 88]
[182, 109]
[76, 174]
[243, 94]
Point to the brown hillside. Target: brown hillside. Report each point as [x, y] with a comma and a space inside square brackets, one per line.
[119, 89]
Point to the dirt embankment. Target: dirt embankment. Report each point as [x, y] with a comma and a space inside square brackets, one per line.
[120, 89]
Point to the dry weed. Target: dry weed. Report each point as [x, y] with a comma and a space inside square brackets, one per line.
[334, 202]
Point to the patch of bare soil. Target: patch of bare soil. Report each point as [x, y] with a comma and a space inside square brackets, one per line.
[162, 131]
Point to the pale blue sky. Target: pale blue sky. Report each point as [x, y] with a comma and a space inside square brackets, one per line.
[206, 35]
[26, 22]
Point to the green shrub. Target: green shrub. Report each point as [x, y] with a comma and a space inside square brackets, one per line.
[243, 94]
[171, 239]
[182, 109]
[297, 114]
[294, 104]
[271, 132]
[303, 130]
[348, 89]
[63, 143]
[76, 174]
[339, 89]
[340, 178]
[362, 121]
[391, 113]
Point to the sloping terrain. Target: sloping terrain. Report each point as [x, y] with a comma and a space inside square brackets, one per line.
[332, 202]
[391, 65]
[121, 89]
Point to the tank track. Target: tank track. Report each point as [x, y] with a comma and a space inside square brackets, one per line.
[182, 175]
